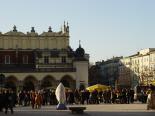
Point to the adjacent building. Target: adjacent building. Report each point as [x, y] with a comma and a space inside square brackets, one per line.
[138, 69]
[125, 72]
[105, 72]
[124, 76]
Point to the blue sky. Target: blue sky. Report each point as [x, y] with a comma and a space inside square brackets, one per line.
[106, 28]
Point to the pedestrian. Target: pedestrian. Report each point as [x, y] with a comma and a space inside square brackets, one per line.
[8, 101]
[1, 101]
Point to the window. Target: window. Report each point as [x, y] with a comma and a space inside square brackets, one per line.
[25, 59]
[7, 59]
[63, 59]
[144, 59]
[46, 59]
[150, 59]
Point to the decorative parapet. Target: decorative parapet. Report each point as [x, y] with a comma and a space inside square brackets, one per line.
[63, 32]
[33, 40]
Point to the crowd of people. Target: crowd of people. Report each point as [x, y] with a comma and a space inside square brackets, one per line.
[35, 99]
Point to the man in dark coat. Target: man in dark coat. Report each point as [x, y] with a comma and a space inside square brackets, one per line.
[8, 101]
[1, 101]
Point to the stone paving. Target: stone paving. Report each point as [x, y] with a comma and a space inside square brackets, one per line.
[101, 107]
[92, 110]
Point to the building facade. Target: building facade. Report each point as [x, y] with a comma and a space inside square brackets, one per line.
[110, 70]
[124, 79]
[35, 61]
[140, 66]
[105, 72]
[95, 75]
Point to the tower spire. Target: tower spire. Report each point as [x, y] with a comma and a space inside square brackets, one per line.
[65, 27]
[49, 29]
[64, 23]
[14, 28]
[79, 43]
[32, 29]
[61, 28]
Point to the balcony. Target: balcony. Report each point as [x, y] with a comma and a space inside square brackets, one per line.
[55, 65]
[14, 68]
[56, 70]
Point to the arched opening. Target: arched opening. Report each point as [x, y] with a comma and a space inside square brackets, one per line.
[82, 87]
[11, 85]
[67, 81]
[29, 83]
[28, 86]
[48, 82]
[11, 82]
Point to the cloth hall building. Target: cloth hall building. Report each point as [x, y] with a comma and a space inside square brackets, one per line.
[34, 61]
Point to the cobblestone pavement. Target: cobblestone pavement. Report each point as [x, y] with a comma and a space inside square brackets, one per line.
[91, 110]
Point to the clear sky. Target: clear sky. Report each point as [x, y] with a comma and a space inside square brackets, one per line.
[106, 28]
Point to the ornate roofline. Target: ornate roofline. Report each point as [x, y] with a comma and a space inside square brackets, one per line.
[63, 32]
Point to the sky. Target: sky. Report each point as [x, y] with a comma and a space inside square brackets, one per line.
[106, 28]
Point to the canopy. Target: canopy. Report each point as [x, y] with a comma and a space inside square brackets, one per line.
[148, 83]
[98, 87]
[153, 82]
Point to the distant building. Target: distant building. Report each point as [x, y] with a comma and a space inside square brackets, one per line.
[32, 61]
[105, 72]
[110, 70]
[95, 76]
[138, 69]
[124, 79]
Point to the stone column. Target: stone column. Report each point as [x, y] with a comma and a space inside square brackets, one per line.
[38, 85]
[19, 85]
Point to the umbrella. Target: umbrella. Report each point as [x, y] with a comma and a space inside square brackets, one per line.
[98, 87]
[153, 82]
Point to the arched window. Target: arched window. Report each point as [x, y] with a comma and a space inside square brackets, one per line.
[63, 59]
[7, 59]
[25, 59]
[46, 59]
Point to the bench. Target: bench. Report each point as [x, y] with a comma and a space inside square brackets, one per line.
[77, 110]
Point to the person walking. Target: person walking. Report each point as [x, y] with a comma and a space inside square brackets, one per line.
[1, 101]
[8, 101]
